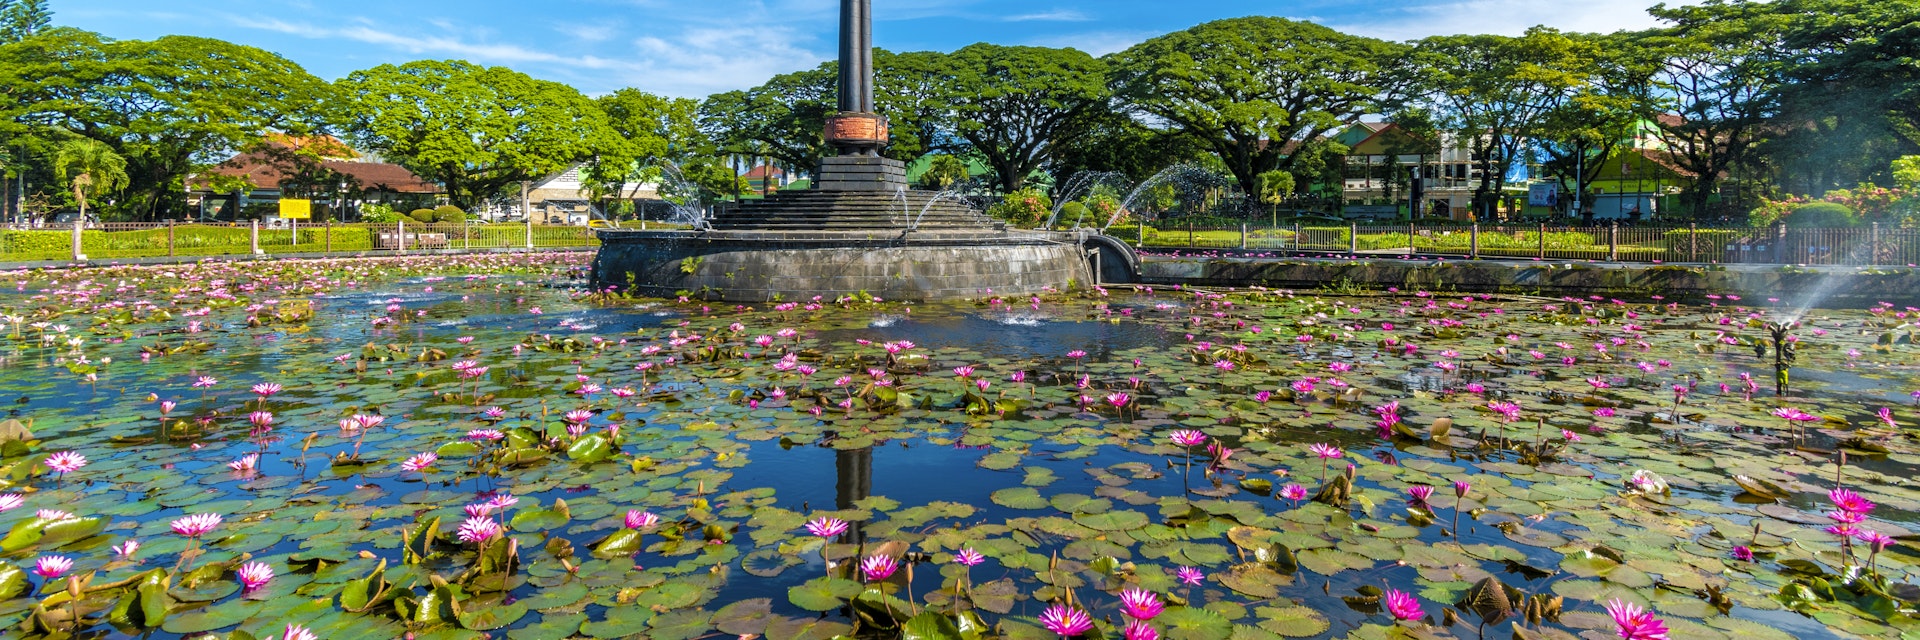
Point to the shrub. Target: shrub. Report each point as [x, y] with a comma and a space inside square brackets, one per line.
[379, 214]
[450, 214]
[1073, 213]
[1823, 214]
[1024, 208]
[421, 215]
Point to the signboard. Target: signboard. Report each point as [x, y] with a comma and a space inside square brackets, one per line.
[296, 209]
[1544, 194]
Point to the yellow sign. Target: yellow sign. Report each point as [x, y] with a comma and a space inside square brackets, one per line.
[296, 209]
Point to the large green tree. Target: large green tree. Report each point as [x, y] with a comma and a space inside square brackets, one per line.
[911, 89]
[169, 106]
[648, 130]
[1017, 107]
[783, 119]
[1600, 114]
[476, 130]
[1715, 73]
[1245, 87]
[1492, 93]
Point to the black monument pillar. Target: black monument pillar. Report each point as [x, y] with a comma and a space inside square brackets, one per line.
[857, 133]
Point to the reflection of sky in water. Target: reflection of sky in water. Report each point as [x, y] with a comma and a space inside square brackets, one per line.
[1015, 333]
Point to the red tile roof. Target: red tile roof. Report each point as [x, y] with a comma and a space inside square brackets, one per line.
[373, 176]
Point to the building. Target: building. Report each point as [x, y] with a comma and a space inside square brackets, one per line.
[563, 198]
[765, 180]
[323, 169]
[1380, 159]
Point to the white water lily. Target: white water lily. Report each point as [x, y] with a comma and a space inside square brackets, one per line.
[1647, 482]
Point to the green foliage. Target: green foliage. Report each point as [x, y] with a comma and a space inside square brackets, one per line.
[379, 214]
[1236, 85]
[943, 170]
[187, 240]
[1074, 214]
[90, 168]
[1024, 208]
[1906, 172]
[1017, 106]
[779, 119]
[1822, 214]
[421, 215]
[647, 130]
[449, 214]
[21, 19]
[473, 129]
[163, 105]
[1273, 186]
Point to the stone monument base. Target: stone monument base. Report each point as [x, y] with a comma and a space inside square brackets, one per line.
[761, 266]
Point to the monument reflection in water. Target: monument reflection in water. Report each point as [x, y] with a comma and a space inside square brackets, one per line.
[848, 233]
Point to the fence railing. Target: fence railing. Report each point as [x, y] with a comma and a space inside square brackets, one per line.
[119, 240]
[1869, 245]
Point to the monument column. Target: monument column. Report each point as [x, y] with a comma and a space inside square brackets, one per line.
[857, 133]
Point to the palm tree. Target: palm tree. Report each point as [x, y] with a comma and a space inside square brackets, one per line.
[90, 168]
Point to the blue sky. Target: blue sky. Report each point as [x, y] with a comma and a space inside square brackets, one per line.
[694, 48]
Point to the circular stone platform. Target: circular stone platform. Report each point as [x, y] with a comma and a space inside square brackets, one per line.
[760, 266]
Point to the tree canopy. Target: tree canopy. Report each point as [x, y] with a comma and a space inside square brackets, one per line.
[168, 106]
[1251, 88]
[474, 129]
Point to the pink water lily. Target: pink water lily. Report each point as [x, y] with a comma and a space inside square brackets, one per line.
[254, 575]
[1140, 604]
[1190, 576]
[878, 567]
[196, 525]
[1634, 623]
[1403, 606]
[51, 567]
[419, 461]
[1065, 621]
[826, 527]
[639, 519]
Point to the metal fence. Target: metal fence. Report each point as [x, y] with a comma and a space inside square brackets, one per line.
[1869, 245]
[121, 240]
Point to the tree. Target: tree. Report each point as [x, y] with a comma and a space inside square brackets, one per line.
[782, 119]
[90, 168]
[1246, 87]
[1493, 92]
[474, 129]
[168, 107]
[1018, 106]
[943, 170]
[647, 130]
[1712, 70]
[1591, 121]
[911, 90]
[21, 19]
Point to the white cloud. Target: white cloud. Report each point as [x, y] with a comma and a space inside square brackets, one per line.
[1056, 15]
[1096, 43]
[1506, 17]
[691, 62]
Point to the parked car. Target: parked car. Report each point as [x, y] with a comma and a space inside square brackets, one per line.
[66, 219]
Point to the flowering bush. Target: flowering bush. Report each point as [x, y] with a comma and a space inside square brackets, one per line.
[1024, 208]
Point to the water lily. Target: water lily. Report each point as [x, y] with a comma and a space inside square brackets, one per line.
[1403, 606]
[1140, 604]
[1190, 576]
[419, 461]
[639, 519]
[1633, 623]
[478, 530]
[254, 575]
[65, 462]
[1065, 621]
[1139, 630]
[51, 567]
[297, 632]
[878, 567]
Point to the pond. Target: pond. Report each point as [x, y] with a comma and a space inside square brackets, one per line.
[458, 446]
